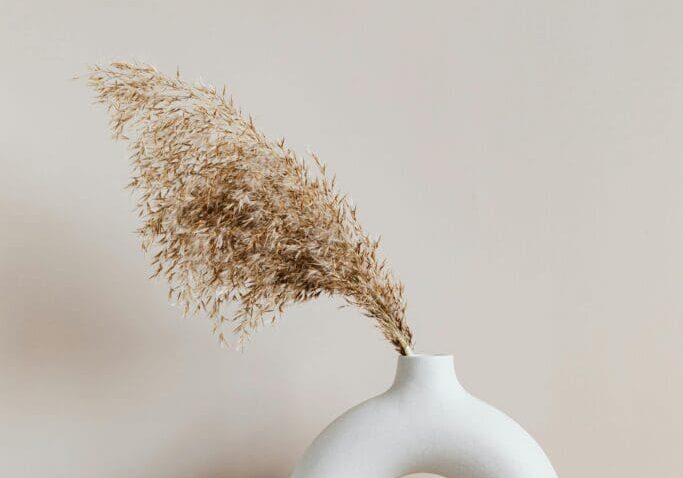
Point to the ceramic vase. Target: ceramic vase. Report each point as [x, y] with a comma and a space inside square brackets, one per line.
[425, 423]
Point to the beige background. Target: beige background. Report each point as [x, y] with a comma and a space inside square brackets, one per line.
[522, 161]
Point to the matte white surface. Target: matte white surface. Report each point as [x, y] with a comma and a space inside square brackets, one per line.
[426, 422]
[521, 160]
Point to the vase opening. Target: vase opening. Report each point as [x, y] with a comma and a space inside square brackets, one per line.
[422, 475]
[424, 370]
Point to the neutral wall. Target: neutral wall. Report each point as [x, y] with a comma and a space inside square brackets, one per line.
[522, 161]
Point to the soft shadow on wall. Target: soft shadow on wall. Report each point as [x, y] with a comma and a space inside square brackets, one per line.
[79, 370]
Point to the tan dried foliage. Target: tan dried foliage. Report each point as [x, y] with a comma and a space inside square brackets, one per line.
[232, 217]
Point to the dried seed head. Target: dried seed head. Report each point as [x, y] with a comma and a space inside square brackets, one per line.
[232, 217]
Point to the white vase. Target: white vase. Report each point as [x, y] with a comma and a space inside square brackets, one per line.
[425, 423]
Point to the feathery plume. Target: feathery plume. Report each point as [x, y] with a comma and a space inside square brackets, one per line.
[232, 217]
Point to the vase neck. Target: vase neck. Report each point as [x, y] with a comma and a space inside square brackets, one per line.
[425, 371]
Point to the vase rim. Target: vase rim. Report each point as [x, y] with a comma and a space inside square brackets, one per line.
[425, 371]
[413, 356]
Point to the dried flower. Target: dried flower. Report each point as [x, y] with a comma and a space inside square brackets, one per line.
[232, 217]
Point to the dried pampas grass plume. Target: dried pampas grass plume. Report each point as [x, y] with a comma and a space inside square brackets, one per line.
[231, 216]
